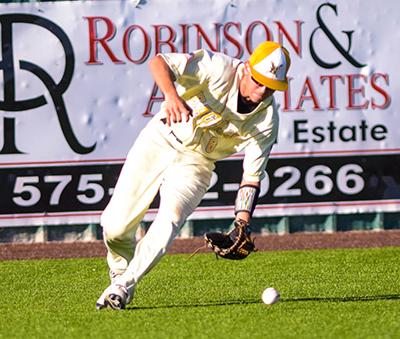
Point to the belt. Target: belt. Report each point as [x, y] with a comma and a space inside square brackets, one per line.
[164, 121]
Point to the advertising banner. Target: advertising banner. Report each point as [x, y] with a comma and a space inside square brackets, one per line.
[76, 91]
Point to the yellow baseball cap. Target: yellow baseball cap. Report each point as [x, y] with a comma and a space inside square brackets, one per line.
[269, 64]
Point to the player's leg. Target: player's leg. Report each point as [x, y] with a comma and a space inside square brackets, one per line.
[137, 185]
[136, 188]
[182, 189]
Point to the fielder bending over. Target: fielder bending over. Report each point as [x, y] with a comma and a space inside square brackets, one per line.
[220, 107]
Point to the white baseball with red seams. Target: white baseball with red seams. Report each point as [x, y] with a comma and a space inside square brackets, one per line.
[270, 296]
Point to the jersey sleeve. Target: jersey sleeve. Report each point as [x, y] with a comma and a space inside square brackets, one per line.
[255, 162]
[190, 69]
[258, 150]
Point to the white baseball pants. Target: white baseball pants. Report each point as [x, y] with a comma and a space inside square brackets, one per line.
[152, 164]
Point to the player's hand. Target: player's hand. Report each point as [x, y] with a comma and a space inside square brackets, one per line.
[175, 107]
[177, 110]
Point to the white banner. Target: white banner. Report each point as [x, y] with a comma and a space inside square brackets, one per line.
[76, 91]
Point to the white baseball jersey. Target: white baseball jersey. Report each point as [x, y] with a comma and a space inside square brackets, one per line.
[209, 83]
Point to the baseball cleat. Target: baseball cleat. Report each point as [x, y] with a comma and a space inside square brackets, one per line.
[116, 297]
[100, 303]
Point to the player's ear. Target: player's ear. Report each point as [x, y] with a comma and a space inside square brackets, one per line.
[247, 68]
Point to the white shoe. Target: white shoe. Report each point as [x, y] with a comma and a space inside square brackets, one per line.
[116, 297]
[100, 303]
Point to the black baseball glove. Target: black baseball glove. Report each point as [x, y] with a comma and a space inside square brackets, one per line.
[236, 244]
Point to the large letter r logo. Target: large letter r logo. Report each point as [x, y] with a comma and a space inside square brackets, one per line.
[56, 90]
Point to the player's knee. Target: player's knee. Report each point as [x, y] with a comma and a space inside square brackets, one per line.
[112, 234]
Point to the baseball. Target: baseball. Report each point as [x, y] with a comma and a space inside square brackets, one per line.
[270, 296]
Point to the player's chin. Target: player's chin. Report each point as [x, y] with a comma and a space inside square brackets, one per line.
[256, 99]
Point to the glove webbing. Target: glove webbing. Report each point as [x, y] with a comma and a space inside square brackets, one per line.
[241, 238]
[240, 241]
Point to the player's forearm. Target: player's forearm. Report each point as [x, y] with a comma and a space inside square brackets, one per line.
[175, 107]
[163, 76]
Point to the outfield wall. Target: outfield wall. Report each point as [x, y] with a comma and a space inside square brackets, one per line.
[76, 91]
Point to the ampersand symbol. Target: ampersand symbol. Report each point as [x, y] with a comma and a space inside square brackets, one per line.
[338, 46]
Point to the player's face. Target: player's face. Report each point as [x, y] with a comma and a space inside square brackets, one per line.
[252, 90]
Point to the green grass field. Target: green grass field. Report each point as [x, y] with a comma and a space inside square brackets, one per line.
[349, 293]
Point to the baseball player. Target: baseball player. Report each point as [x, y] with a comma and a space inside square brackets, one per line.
[219, 107]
